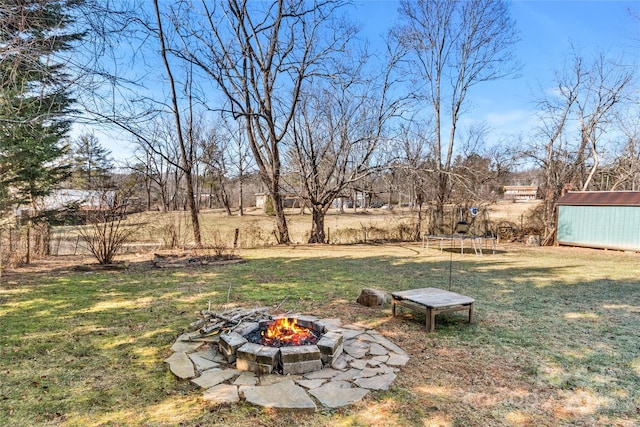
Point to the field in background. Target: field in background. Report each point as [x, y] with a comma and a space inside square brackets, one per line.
[172, 230]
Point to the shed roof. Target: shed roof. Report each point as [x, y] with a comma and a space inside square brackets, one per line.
[600, 198]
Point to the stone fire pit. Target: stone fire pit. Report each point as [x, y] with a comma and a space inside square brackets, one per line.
[341, 368]
[300, 359]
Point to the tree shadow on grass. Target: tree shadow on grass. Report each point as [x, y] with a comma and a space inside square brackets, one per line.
[558, 337]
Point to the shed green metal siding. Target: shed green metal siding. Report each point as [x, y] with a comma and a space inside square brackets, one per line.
[613, 227]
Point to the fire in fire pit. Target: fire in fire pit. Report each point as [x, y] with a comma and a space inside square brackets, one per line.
[288, 345]
[284, 332]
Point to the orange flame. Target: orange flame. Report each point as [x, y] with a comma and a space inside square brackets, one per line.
[286, 330]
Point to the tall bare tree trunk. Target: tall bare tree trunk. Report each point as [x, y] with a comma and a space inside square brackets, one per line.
[186, 160]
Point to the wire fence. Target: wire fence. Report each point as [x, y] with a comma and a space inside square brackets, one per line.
[23, 244]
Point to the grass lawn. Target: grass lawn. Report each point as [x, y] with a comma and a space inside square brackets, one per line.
[556, 339]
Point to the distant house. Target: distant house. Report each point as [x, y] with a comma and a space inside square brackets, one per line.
[86, 200]
[288, 201]
[522, 192]
[261, 200]
[599, 219]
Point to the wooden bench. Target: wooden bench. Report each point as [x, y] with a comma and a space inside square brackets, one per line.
[432, 301]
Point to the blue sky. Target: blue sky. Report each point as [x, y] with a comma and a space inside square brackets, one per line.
[546, 30]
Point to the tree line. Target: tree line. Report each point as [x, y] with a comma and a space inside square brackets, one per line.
[216, 94]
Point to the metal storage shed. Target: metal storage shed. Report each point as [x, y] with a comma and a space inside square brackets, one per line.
[599, 219]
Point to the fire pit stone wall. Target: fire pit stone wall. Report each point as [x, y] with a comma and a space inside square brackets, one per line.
[257, 358]
[263, 359]
[300, 359]
[229, 345]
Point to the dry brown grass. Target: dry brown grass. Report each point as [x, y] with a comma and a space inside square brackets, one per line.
[172, 230]
[554, 343]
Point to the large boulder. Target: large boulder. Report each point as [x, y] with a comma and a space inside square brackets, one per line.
[371, 297]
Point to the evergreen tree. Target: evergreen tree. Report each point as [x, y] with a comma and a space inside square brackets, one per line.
[91, 164]
[35, 100]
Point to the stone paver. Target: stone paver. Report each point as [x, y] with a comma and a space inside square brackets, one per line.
[323, 373]
[351, 333]
[340, 363]
[377, 350]
[208, 353]
[311, 383]
[201, 363]
[214, 377]
[186, 346]
[333, 396]
[246, 378]
[379, 382]
[371, 372]
[181, 366]
[368, 361]
[349, 375]
[388, 344]
[382, 359]
[397, 359]
[222, 393]
[284, 396]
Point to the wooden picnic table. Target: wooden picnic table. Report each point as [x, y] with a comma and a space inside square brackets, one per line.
[432, 301]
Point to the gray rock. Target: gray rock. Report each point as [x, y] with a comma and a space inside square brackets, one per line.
[333, 396]
[201, 363]
[339, 363]
[381, 359]
[271, 379]
[181, 365]
[328, 324]
[323, 373]
[349, 375]
[397, 359]
[379, 382]
[222, 393]
[283, 396]
[359, 364]
[348, 334]
[377, 350]
[341, 384]
[367, 337]
[209, 353]
[311, 383]
[214, 377]
[356, 349]
[184, 337]
[186, 346]
[371, 372]
[246, 378]
[387, 344]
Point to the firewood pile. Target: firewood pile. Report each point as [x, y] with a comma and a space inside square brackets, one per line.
[231, 320]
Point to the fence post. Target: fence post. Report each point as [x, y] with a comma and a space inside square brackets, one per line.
[0, 252]
[29, 243]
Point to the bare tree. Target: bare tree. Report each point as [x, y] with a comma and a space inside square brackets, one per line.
[605, 87]
[259, 54]
[453, 46]
[625, 170]
[334, 138]
[185, 142]
[106, 230]
[214, 158]
[574, 117]
[155, 161]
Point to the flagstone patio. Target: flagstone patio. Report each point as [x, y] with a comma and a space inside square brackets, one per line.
[369, 362]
